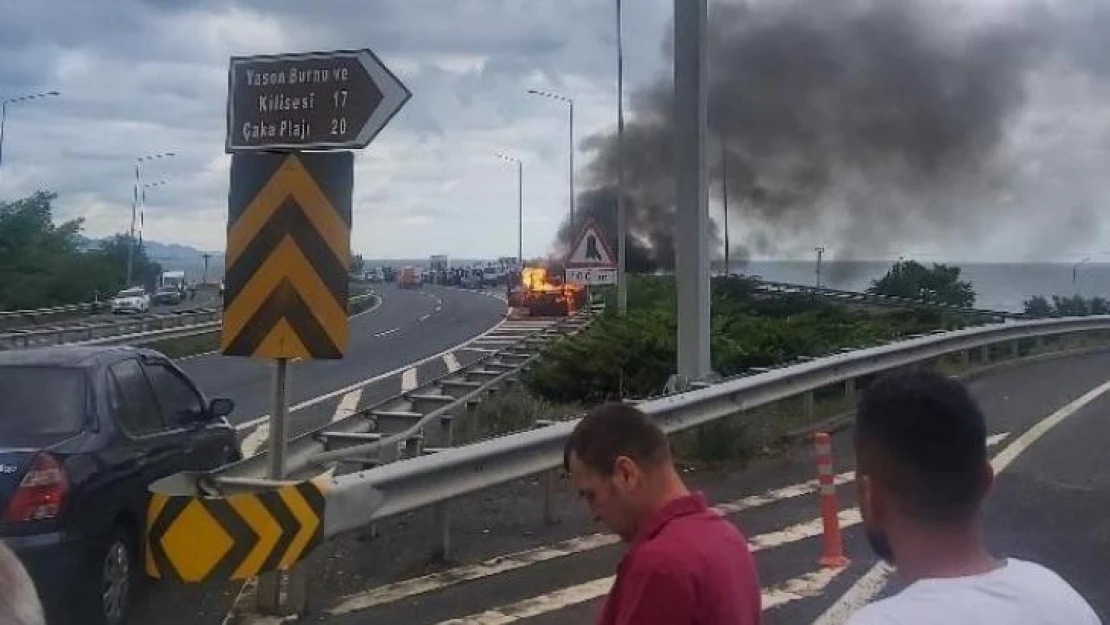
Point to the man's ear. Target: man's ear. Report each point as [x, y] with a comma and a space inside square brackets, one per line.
[987, 477]
[626, 473]
[871, 504]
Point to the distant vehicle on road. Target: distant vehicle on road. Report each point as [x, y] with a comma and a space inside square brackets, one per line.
[409, 278]
[170, 295]
[134, 300]
[172, 278]
[83, 433]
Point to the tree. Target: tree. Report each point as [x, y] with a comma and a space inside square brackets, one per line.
[42, 265]
[1038, 306]
[939, 284]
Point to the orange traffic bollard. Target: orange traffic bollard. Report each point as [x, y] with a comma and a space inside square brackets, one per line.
[832, 554]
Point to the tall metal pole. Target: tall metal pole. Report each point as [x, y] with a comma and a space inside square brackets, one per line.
[131, 233]
[269, 584]
[724, 199]
[520, 212]
[3, 120]
[572, 199]
[820, 253]
[691, 189]
[622, 217]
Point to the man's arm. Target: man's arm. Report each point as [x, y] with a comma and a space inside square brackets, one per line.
[652, 595]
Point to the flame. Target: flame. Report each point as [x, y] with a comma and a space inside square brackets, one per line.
[537, 286]
[535, 279]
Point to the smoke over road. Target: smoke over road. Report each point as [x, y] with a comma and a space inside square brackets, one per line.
[861, 120]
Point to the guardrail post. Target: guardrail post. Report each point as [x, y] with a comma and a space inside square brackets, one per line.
[850, 389]
[442, 550]
[807, 406]
[1015, 349]
[965, 359]
[547, 481]
[985, 355]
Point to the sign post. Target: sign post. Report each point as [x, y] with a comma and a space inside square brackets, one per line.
[289, 220]
[591, 261]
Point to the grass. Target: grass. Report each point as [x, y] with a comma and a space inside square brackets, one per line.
[510, 409]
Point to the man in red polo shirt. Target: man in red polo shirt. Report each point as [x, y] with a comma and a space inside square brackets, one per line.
[686, 564]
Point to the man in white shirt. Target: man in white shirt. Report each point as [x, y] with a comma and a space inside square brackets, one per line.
[922, 474]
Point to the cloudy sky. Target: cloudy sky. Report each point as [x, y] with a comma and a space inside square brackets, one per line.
[138, 77]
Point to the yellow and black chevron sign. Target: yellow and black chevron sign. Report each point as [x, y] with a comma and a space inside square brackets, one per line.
[195, 539]
[288, 251]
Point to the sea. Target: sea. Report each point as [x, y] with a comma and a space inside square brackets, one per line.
[998, 286]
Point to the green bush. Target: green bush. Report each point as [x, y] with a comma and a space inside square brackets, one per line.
[633, 356]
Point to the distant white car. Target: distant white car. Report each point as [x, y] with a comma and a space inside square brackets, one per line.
[134, 300]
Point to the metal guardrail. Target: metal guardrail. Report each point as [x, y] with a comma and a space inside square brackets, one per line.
[137, 331]
[884, 300]
[12, 318]
[101, 332]
[451, 473]
[413, 423]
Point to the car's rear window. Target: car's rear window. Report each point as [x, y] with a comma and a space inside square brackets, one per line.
[38, 401]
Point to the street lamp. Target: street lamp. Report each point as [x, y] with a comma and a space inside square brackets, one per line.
[135, 204]
[142, 205]
[622, 216]
[820, 253]
[570, 103]
[1075, 272]
[4, 112]
[519, 205]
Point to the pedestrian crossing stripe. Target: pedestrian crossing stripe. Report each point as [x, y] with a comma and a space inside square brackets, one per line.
[288, 251]
[196, 539]
[591, 249]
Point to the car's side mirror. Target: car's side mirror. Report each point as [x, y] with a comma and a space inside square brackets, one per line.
[220, 407]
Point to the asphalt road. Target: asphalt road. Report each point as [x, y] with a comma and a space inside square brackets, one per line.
[413, 336]
[408, 325]
[1048, 505]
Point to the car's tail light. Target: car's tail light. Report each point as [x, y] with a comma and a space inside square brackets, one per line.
[41, 493]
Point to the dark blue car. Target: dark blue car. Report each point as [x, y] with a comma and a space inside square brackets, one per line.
[83, 433]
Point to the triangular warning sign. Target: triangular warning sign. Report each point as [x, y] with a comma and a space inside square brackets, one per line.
[591, 249]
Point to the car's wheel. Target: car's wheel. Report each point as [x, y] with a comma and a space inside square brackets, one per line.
[116, 577]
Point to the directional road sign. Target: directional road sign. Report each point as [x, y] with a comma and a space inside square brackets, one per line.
[194, 539]
[593, 276]
[288, 250]
[311, 101]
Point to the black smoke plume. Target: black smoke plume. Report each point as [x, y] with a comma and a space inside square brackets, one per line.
[887, 114]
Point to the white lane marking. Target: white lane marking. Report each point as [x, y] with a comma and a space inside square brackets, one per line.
[403, 589]
[503, 564]
[876, 577]
[808, 585]
[254, 441]
[348, 405]
[438, 308]
[377, 303]
[452, 362]
[386, 333]
[424, 317]
[995, 439]
[408, 380]
[791, 590]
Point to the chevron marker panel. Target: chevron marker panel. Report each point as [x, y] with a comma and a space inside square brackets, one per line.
[197, 539]
[288, 252]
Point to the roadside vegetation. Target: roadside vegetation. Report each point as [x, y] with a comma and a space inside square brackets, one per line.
[42, 263]
[1066, 306]
[632, 357]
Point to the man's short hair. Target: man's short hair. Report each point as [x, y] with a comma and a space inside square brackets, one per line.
[613, 430]
[925, 438]
[19, 602]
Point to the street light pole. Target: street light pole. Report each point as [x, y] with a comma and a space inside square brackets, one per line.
[570, 177]
[622, 216]
[724, 196]
[4, 112]
[142, 206]
[820, 253]
[135, 206]
[519, 205]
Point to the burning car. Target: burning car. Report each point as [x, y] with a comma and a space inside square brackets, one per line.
[544, 294]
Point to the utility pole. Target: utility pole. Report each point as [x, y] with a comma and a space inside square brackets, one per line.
[622, 216]
[519, 205]
[691, 188]
[724, 196]
[820, 252]
[204, 277]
